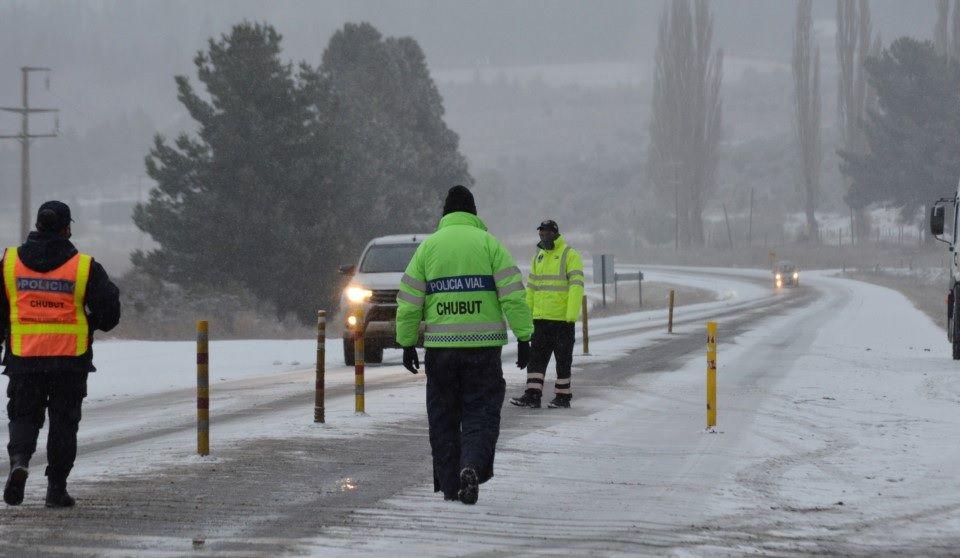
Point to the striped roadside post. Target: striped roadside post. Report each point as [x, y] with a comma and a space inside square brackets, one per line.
[358, 358]
[318, 400]
[711, 374]
[203, 388]
[670, 314]
[586, 326]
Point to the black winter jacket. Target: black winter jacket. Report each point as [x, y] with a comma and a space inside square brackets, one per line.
[44, 252]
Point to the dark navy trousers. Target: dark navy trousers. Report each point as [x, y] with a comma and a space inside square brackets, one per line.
[31, 396]
[465, 391]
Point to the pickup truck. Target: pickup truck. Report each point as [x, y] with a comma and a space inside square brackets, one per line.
[373, 287]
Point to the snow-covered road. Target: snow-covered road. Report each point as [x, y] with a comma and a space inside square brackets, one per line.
[839, 409]
[837, 435]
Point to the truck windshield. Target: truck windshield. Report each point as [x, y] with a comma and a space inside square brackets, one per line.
[385, 258]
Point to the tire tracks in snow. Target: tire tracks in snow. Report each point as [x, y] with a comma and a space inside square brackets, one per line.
[269, 496]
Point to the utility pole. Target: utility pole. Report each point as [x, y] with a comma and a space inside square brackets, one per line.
[24, 136]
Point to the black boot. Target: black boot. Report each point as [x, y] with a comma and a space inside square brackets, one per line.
[57, 496]
[16, 480]
[560, 401]
[530, 398]
[469, 485]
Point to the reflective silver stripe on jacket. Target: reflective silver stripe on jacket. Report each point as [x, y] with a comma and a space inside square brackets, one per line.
[563, 262]
[574, 273]
[414, 283]
[533, 277]
[562, 276]
[504, 273]
[407, 297]
[576, 282]
[509, 289]
[557, 288]
[486, 327]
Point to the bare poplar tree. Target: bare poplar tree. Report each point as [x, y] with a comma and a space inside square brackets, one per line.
[870, 98]
[955, 25]
[941, 37]
[854, 35]
[856, 139]
[806, 77]
[846, 43]
[687, 114]
[853, 42]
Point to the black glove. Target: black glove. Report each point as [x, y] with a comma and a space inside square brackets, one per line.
[410, 359]
[523, 354]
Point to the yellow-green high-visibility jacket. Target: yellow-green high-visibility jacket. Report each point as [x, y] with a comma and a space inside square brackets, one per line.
[461, 281]
[555, 284]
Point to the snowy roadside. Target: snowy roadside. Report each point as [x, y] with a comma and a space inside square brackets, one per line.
[837, 435]
[147, 386]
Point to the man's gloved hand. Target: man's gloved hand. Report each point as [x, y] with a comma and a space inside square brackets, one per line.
[523, 354]
[410, 359]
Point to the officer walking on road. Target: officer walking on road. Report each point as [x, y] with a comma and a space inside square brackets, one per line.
[52, 299]
[554, 294]
[462, 282]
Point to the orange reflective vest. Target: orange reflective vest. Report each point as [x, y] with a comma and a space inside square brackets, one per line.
[47, 317]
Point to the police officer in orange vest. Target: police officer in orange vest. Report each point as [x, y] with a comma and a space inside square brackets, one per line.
[52, 299]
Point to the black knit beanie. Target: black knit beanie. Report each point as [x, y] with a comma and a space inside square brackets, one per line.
[459, 199]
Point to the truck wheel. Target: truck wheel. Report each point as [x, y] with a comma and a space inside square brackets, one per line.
[955, 325]
[349, 357]
[373, 355]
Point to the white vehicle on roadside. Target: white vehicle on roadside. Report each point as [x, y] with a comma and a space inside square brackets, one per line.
[948, 234]
[373, 287]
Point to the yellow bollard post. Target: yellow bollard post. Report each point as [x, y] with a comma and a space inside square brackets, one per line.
[319, 395]
[670, 314]
[586, 327]
[711, 374]
[203, 388]
[358, 359]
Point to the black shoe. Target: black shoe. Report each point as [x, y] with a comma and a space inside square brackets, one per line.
[561, 401]
[13, 491]
[469, 486]
[530, 398]
[57, 496]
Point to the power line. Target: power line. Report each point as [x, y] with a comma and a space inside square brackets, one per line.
[25, 136]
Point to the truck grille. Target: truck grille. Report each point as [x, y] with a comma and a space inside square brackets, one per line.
[384, 297]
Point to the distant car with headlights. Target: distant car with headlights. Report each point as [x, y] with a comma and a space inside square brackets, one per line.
[786, 274]
[373, 287]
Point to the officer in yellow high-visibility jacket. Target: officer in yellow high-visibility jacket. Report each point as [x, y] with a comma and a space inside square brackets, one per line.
[554, 294]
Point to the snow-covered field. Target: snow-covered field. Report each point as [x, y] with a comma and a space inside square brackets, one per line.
[837, 432]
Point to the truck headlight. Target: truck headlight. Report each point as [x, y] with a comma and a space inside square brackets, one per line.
[796, 275]
[777, 277]
[352, 321]
[358, 294]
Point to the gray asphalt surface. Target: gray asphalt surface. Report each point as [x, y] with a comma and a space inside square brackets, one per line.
[269, 496]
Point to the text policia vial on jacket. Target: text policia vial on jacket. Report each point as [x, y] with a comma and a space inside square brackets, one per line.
[467, 288]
